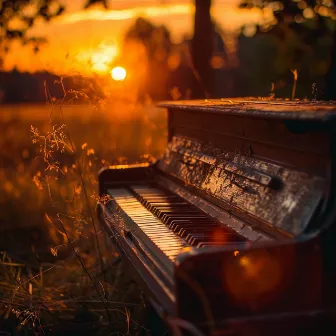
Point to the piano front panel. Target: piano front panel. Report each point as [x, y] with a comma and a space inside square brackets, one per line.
[302, 144]
[257, 281]
[273, 196]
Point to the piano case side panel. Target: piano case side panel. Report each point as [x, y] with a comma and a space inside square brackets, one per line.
[220, 286]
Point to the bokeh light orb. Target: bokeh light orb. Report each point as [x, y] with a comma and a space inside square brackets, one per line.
[118, 73]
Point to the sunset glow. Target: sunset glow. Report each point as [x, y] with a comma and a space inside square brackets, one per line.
[102, 59]
[88, 40]
[124, 14]
[99, 59]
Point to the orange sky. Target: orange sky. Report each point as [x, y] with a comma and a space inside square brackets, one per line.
[86, 41]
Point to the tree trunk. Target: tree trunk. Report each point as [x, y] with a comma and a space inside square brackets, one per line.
[331, 76]
[202, 47]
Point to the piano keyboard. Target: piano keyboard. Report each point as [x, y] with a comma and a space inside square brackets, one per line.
[170, 222]
[152, 232]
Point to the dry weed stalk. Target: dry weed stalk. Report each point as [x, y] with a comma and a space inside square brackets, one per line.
[295, 77]
[67, 175]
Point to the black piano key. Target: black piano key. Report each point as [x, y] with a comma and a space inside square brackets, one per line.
[195, 229]
[165, 203]
[170, 209]
[188, 234]
[193, 219]
[176, 225]
[183, 218]
[163, 213]
[160, 205]
[177, 214]
[171, 219]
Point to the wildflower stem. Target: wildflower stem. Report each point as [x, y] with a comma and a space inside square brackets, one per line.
[84, 268]
[295, 75]
[80, 173]
[74, 153]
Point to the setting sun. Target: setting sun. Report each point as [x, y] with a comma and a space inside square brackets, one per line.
[118, 73]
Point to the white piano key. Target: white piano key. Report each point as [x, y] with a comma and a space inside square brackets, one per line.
[154, 229]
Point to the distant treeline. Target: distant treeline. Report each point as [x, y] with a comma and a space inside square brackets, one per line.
[18, 86]
[260, 66]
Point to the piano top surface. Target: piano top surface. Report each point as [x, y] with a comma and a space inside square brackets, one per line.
[282, 109]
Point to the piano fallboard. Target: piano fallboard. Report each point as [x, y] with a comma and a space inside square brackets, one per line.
[271, 195]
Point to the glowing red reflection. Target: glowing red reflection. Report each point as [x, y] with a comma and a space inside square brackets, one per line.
[256, 277]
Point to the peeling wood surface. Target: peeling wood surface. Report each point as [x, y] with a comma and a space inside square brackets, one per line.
[224, 218]
[243, 184]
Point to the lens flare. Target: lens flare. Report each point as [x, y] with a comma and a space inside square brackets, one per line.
[118, 73]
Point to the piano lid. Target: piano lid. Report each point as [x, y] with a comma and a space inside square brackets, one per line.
[280, 109]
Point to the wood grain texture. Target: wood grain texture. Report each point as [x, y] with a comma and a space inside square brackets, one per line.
[287, 208]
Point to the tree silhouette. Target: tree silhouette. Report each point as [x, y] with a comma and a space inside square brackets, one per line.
[202, 49]
[155, 41]
[15, 10]
[17, 16]
[304, 36]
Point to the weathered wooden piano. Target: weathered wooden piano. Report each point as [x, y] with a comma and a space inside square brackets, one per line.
[233, 230]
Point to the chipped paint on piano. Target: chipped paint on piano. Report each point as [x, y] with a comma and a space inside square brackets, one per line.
[279, 197]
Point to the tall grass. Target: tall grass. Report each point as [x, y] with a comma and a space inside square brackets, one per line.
[51, 183]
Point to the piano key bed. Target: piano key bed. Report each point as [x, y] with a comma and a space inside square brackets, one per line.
[169, 221]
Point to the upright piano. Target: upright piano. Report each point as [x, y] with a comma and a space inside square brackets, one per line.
[232, 231]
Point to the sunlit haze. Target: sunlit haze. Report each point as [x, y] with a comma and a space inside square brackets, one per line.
[88, 41]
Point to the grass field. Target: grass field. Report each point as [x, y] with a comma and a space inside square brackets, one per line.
[50, 157]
